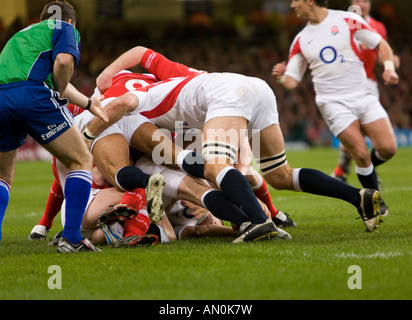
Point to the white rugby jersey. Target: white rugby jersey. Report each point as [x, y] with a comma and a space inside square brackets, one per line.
[331, 51]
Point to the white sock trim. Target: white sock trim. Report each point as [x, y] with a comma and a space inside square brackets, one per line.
[203, 197]
[222, 174]
[365, 171]
[181, 156]
[260, 183]
[380, 157]
[296, 184]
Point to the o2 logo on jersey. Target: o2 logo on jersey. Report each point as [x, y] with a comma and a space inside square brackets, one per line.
[329, 55]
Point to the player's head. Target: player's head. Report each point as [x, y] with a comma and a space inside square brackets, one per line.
[364, 5]
[59, 10]
[304, 8]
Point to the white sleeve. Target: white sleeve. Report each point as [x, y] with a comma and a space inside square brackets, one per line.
[297, 64]
[296, 67]
[368, 38]
[364, 32]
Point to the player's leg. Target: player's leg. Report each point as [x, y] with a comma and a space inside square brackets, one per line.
[258, 184]
[70, 149]
[281, 176]
[111, 155]
[191, 189]
[221, 141]
[343, 168]
[52, 208]
[144, 136]
[7, 167]
[354, 141]
[182, 186]
[383, 140]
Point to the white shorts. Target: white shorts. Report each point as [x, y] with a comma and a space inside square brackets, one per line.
[173, 177]
[215, 95]
[234, 95]
[125, 126]
[340, 112]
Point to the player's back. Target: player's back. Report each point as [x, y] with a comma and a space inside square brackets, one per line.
[30, 53]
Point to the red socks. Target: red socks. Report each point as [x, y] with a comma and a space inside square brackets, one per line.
[138, 225]
[53, 205]
[135, 198]
[262, 193]
[339, 172]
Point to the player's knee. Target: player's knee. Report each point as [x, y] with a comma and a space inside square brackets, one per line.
[388, 152]
[362, 157]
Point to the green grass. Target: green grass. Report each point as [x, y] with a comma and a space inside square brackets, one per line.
[314, 265]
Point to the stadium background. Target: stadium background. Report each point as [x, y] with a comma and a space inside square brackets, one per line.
[243, 36]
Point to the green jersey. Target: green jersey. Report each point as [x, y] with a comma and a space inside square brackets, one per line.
[30, 53]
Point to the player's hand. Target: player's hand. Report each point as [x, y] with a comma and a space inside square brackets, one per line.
[103, 82]
[97, 110]
[279, 70]
[390, 78]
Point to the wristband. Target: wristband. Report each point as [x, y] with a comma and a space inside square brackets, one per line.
[87, 135]
[389, 65]
[89, 104]
[282, 79]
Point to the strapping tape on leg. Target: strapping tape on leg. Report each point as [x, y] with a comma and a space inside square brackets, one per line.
[213, 149]
[267, 165]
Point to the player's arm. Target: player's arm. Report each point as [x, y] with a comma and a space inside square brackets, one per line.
[62, 71]
[286, 81]
[289, 75]
[373, 40]
[63, 68]
[127, 60]
[115, 110]
[385, 54]
[93, 105]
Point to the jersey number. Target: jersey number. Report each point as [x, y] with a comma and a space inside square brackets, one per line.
[132, 85]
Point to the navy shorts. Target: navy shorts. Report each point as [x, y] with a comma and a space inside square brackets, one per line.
[29, 107]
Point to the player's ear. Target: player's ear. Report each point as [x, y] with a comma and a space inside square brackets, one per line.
[72, 23]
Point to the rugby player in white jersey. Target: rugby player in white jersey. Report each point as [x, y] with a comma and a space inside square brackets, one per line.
[230, 103]
[329, 46]
[369, 59]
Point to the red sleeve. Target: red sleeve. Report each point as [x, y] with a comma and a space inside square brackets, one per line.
[380, 28]
[74, 110]
[163, 69]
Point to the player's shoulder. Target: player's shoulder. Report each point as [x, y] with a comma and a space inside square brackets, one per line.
[335, 15]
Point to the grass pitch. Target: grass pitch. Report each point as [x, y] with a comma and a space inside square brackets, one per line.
[315, 265]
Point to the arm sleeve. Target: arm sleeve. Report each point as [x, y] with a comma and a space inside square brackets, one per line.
[297, 64]
[363, 32]
[163, 69]
[66, 40]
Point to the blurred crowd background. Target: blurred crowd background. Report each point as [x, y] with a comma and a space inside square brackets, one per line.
[241, 36]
